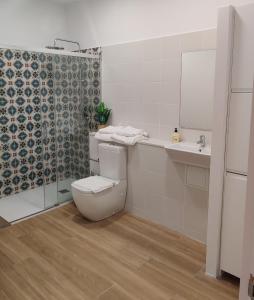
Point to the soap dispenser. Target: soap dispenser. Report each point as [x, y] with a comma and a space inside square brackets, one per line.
[176, 137]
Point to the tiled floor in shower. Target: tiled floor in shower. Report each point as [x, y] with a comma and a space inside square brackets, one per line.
[30, 202]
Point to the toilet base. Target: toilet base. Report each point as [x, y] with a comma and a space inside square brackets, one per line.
[99, 206]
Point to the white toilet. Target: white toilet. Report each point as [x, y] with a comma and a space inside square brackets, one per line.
[99, 197]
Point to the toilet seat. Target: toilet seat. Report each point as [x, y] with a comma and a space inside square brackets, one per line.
[94, 184]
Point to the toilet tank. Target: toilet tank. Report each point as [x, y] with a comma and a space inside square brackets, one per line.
[113, 160]
[93, 154]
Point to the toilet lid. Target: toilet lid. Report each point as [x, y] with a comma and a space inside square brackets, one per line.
[94, 184]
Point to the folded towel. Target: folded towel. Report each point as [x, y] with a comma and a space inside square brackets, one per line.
[103, 137]
[126, 135]
[127, 140]
[108, 130]
[123, 131]
[131, 131]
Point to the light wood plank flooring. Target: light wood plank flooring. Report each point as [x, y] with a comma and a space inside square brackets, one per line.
[60, 255]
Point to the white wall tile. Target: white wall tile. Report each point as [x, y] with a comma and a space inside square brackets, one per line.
[116, 115]
[170, 93]
[171, 81]
[131, 52]
[192, 41]
[171, 70]
[134, 111]
[108, 75]
[151, 92]
[142, 86]
[195, 213]
[112, 92]
[134, 157]
[165, 132]
[171, 47]
[152, 129]
[173, 216]
[112, 73]
[154, 209]
[209, 39]
[110, 54]
[131, 91]
[169, 115]
[157, 191]
[130, 72]
[152, 70]
[136, 188]
[174, 181]
[149, 158]
[151, 113]
[147, 75]
[123, 53]
[153, 49]
[197, 177]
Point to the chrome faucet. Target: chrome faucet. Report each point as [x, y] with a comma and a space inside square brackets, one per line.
[202, 141]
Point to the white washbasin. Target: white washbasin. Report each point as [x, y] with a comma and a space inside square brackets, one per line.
[190, 154]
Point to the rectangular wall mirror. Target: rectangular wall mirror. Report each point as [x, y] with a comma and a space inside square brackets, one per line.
[197, 89]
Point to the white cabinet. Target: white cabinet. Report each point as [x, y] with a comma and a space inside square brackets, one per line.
[235, 55]
[243, 52]
[232, 223]
[238, 132]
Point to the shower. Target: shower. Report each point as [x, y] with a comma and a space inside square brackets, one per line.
[55, 47]
[48, 101]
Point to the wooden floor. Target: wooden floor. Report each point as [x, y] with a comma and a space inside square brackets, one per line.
[60, 255]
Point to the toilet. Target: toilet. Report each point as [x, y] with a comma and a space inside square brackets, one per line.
[101, 196]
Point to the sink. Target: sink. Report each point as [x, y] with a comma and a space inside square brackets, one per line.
[190, 154]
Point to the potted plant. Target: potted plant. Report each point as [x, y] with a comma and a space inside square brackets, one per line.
[103, 114]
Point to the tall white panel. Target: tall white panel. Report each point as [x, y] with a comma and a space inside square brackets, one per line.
[243, 53]
[238, 133]
[232, 223]
[237, 62]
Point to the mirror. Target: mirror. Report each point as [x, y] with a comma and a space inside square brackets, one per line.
[197, 89]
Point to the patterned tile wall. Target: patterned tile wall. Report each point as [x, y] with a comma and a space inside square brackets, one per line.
[48, 117]
[91, 89]
[47, 106]
[21, 136]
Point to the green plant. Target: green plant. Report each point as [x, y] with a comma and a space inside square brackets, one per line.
[103, 113]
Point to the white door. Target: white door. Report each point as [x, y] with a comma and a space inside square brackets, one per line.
[248, 243]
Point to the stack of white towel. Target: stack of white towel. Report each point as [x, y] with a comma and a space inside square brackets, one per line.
[126, 135]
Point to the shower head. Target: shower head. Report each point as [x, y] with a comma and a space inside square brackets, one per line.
[55, 48]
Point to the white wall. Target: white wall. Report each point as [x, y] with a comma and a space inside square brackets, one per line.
[157, 191]
[35, 23]
[31, 23]
[108, 22]
[141, 81]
